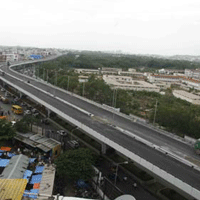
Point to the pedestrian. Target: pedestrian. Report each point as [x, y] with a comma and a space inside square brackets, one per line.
[8, 112]
[135, 185]
[125, 178]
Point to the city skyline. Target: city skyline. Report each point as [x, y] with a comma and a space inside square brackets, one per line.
[162, 28]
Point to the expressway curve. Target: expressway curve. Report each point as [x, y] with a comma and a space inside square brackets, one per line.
[170, 165]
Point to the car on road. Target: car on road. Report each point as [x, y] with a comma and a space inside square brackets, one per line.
[3, 90]
[45, 121]
[62, 132]
[34, 110]
[23, 104]
[7, 94]
[27, 112]
[73, 143]
[36, 114]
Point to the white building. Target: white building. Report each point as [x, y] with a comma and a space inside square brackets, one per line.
[87, 71]
[192, 98]
[171, 71]
[192, 83]
[163, 78]
[83, 79]
[128, 83]
[192, 73]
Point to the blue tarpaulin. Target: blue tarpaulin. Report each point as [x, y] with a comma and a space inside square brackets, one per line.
[32, 160]
[36, 179]
[82, 184]
[27, 174]
[10, 155]
[0, 154]
[32, 196]
[33, 191]
[36, 56]
[2, 151]
[25, 191]
[4, 162]
[39, 169]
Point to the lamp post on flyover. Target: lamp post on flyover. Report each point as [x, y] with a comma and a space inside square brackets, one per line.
[68, 83]
[125, 162]
[114, 100]
[155, 113]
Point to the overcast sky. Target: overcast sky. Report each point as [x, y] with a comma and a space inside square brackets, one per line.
[141, 27]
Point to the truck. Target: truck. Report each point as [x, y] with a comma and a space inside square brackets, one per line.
[197, 146]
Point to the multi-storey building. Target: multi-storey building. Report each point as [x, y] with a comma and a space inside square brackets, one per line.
[192, 73]
[194, 99]
[164, 78]
[128, 83]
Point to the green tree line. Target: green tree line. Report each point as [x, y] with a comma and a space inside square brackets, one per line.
[174, 114]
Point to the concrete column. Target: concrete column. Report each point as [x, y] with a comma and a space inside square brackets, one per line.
[48, 113]
[20, 94]
[103, 148]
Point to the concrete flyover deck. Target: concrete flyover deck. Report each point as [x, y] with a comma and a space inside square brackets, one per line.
[164, 162]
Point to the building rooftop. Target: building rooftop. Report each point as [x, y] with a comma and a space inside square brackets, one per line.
[12, 189]
[37, 140]
[16, 167]
[187, 94]
[47, 182]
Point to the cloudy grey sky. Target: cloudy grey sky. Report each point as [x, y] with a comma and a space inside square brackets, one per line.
[143, 26]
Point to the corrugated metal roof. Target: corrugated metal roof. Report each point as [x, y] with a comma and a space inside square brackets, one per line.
[37, 140]
[12, 188]
[16, 167]
[47, 182]
[43, 147]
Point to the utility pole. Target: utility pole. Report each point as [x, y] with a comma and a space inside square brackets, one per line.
[47, 76]
[43, 73]
[155, 113]
[56, 79]
[68, 84]
[115, 103]
[83, 88]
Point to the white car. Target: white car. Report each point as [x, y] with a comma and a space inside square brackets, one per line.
[27, 112]
[7, 94]
[34, 110]
[3, 90]
[62, 132]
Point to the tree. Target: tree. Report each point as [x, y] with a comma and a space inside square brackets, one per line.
[6, 130]
[75, 164]
[22, 126]
[25, 124]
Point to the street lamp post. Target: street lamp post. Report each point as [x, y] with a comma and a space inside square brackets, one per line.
[83, 88]
[155, 113]
[125, 162]
[114, 100]
[68, 83]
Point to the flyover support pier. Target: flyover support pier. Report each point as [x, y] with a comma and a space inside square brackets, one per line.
[104, 147]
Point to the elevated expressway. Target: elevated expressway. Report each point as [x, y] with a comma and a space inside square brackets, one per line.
[161, 155]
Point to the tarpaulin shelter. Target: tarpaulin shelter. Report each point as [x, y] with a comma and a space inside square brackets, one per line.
[5, 148]
[16, 167]
[39, 169]
[4, 162]
[36, 186]
[36, 179]
[12, 188]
